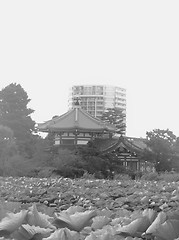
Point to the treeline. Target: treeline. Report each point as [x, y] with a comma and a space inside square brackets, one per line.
[162, 149]
[21, 148]
[24, 153]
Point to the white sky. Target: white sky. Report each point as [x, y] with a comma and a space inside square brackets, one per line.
[48, 46]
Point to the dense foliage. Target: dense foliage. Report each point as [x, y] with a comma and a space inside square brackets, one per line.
[99, 164]
[15, 114]
[162, 149]
[24, 153]
[116, 117]
[67, 163]
[7, 147]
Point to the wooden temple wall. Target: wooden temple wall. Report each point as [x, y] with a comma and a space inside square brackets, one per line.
[135, 164]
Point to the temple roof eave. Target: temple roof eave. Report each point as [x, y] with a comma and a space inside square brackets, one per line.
[46, 127]
[76, 120]
[126, 143]
[58, 130]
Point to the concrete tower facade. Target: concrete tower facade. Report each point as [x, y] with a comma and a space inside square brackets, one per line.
[95, 99]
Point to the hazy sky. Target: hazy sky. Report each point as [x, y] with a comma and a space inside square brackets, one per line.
[48, 46]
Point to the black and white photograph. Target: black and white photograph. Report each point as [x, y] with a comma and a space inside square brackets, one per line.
[89, 120]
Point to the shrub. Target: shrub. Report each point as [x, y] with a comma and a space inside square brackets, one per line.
[169, 177]
[165, 176]
[152, 176]
[88, 176]
[46, 172]
[17, 166]
[42, 156]
[121, 177]
[67, 164]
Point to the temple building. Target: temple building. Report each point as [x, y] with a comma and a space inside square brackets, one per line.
[129, 152]
[77, 127]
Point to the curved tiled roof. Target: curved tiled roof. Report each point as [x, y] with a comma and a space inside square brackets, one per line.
[78, 120]
[109, 145]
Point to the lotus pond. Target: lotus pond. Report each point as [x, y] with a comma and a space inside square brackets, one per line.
[81, 209]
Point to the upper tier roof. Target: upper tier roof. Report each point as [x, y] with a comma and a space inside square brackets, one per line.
[78, 120]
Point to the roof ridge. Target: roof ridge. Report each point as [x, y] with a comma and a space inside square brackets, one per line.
[132, 144]
[61, 116]
[99, 121]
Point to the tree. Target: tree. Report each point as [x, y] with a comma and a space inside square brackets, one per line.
[67, 163]
[7, 145]
[42, 156]
[176, 152]
[116, 117]
[96, 162]
[15, 114]
[161, 143]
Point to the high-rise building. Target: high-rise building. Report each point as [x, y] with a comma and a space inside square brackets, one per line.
[95, 99]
